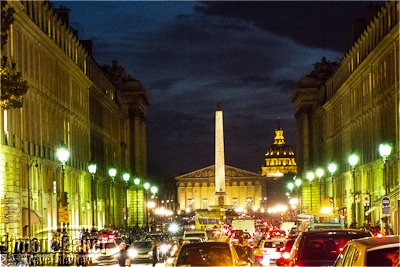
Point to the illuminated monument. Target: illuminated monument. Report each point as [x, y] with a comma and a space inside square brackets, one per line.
[219, 157]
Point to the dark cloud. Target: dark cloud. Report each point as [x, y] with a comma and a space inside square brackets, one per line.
[189, 55]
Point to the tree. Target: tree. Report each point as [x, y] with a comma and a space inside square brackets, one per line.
[13, 86]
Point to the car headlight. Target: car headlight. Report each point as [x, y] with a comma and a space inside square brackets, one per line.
[132, 253]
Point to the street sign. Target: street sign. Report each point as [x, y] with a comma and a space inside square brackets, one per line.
[12, 209]
[386, 201]
[10, 201]
[10, 220]
[63, 215]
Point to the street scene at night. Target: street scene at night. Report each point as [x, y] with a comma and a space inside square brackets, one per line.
[200, 133]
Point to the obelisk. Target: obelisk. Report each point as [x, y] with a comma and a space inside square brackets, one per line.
[219, 157]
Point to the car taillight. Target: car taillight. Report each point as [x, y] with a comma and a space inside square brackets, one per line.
[379, 235]
[285, 255]
[341, 249]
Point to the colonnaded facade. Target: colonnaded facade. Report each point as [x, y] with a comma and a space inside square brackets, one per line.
[353, 107]
[196, 190]
[70, 100]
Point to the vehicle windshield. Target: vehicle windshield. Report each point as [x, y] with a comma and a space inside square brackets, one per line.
[142, 244]
[106, 245]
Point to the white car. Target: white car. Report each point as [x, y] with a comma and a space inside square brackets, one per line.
[271, 248]
[105, 251]
[370, 251]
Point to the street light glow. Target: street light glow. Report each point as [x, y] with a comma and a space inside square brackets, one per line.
[126, 176]
[353, 160]
[310, 176]
[63, 153]
[384, 150]
[112, 171]
[332, 168]
[319, 172]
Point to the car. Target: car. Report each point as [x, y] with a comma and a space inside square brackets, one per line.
[321, 247]
[245, 254]
[271, 248]
[140, 251]
[164, 243]
[195, 233]
[105, 251]
[371, 251]
[285, 252]
[210, 253]
[193, 239]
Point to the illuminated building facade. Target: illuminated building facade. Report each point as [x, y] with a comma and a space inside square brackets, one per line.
[354, 108]
[70, 100]
[280, 168]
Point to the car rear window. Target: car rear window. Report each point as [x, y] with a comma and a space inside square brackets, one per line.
[325, 247]
[383, 257]
[207, 255]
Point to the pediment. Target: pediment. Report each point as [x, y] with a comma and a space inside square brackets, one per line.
[209, 172]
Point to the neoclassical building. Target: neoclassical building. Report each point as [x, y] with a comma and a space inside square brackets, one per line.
[353, 107]
[279, 169]
[98, 113]
[196, 190]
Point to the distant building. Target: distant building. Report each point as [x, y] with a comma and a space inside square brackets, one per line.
[280, 168]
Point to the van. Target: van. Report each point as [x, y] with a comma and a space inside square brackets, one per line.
[196, 233]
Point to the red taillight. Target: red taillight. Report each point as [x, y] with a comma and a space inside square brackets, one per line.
[340, 249]
[285, 255]
[379, 235]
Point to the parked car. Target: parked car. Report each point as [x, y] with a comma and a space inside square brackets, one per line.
[210, 253]
[321, 247]
[371, 251]
[140, 251]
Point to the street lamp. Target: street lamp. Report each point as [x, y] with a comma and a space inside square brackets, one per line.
[332, 169]
[126, 177]
[112, 171]
[154, 190]
[353, 160]
[384, 150]
[290, 186]
[310, 177]
[92, 167]
[319, 172]
[146, 188]
[137, 182]
[63, 156]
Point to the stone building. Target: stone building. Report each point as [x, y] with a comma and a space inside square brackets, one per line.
[100, 116]
[196, 190]
[280, 168]
[353, 107]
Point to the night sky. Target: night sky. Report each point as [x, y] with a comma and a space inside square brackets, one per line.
[189, 55]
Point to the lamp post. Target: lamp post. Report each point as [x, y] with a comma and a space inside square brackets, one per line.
[384, 150]
[112, 171]
[353, 160]
[332, 169]
[146, 188]
[297, 182]
[310, 177]
[319, 172]
[63, 156]
[126, 177]
[290, 186]
[92, 167]
[154, 190]
[137, 182]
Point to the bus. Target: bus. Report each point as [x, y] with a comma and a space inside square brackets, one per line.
[207, 220]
